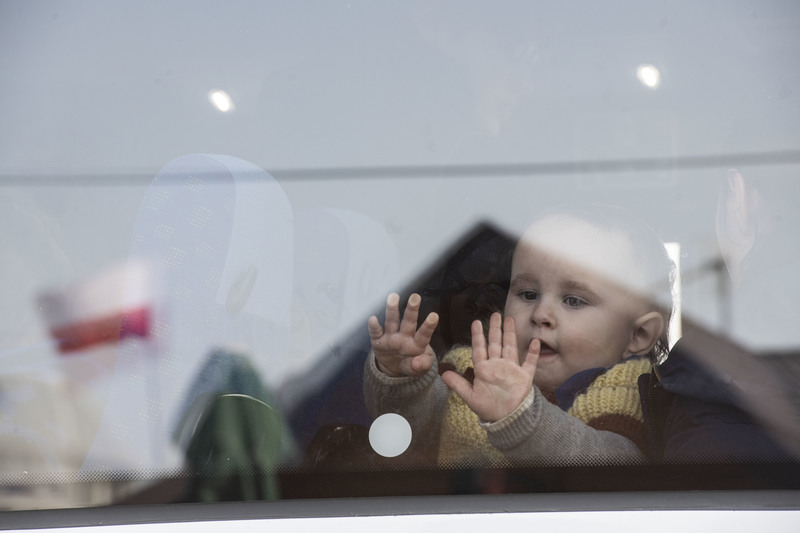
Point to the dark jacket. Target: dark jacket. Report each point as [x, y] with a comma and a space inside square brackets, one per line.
[693, 414]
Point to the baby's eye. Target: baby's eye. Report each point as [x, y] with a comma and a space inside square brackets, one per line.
[529, 295]
[575, 302]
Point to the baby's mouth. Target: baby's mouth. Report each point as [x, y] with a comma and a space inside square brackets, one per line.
[546, 350]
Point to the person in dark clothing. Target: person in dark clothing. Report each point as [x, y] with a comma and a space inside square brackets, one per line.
[711, 401]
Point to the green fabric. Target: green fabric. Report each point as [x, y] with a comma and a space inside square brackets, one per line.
[234, 451]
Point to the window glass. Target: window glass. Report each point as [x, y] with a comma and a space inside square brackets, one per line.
[203, 204]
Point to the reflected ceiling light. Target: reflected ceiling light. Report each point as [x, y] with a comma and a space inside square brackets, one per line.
[221, 100]
[648, 75]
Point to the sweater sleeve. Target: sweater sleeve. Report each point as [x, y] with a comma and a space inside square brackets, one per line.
[419, 400]
[540, 433]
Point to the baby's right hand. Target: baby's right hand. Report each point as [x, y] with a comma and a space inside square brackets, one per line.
[400, 348]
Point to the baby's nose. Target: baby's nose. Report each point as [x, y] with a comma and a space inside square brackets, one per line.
[542, 315]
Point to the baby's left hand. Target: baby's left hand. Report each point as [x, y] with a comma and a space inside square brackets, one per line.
[501, 383]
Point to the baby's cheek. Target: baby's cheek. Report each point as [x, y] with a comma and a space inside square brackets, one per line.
[586, 353]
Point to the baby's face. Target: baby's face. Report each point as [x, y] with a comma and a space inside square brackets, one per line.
[565, 292]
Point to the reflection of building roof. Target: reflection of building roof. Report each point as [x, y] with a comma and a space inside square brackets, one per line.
[467, 281]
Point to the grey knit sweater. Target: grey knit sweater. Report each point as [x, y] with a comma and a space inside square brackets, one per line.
[536, 433]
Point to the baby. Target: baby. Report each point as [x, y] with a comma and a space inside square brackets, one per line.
[556, 380]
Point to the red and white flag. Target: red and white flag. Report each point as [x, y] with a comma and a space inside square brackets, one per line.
[109, 307]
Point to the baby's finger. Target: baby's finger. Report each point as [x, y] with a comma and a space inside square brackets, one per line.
[375, 329]
[458, 384]
[420, 364]
[409, 324]
[423, 336]
[510, 350]
[532, 358]
[495, 336]
[392, 313]
[478, 342]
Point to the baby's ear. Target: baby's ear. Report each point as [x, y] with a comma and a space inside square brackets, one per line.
[646, 331]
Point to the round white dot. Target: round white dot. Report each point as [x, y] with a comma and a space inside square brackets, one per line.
[390, 435]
